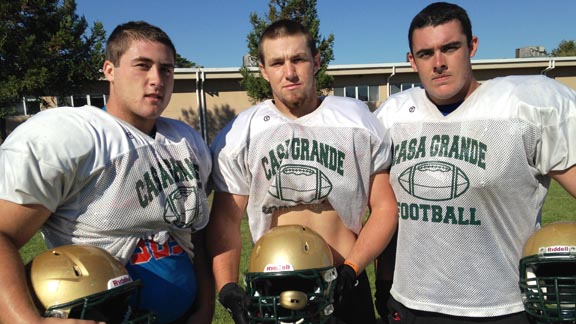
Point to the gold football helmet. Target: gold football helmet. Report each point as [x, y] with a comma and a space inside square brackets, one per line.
[84, 282]
[291, 277]
[548, 274]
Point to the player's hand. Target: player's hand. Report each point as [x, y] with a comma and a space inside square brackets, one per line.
[345, 282]
[236, 301]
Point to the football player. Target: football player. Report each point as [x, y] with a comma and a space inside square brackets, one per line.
[302, 159]
[471, 169]
[125, 179]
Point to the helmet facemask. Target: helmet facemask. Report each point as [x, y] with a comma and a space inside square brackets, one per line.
[291, 277]
[549, 289]
[290, 298]
[548, 274]
[111, 306]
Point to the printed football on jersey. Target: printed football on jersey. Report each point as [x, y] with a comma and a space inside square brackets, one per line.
[434, 180]
[300, 183]
[182, 207]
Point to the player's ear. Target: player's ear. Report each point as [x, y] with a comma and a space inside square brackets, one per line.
[317, 61]
[412, 62]
[108, 70]
[263, 72]
[473, 47]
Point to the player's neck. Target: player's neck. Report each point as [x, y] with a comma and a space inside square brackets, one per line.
[449, 108]
[298, 109]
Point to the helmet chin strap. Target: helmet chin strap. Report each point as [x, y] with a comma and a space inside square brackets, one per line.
[300, 321]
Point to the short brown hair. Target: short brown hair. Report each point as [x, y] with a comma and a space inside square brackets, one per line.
[124, 34]
[286, 27]
[439, 13]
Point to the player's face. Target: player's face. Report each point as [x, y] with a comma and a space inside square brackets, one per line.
[289, 67]
[441, 56]
[141, 84]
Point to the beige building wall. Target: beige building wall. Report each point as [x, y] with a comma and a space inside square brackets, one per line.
[216, 93]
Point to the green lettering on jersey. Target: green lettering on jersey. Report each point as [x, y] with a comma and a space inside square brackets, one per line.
[165, 176]
[140, 192]
[167, 173]
[450, 217]
[411, 149]
[193, 171]
[438, 214]
[449, 146]
[303, 149]
[151, 189]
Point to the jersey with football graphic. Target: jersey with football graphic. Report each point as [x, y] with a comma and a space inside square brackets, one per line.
[470, 187]
[109, 184]
[112, 186]
[327, 156]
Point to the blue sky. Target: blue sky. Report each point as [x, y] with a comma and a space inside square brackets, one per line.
[212, 33]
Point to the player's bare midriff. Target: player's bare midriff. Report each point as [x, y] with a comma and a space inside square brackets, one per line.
[323, 219]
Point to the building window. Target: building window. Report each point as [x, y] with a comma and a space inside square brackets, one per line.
[79, 100]
[362, 92]
[28, 106]
[64, 101]
[96, 100]
[398, 87]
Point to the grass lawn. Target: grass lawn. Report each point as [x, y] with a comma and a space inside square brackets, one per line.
[559, 206]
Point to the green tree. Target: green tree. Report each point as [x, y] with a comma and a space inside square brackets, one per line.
[46, 50]
[182, 62]
[565, 48]
[303, 11]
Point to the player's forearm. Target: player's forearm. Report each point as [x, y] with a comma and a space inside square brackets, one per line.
[16, 305]
[205, 297]
[373, 238]
[225, 267]
[567, 179]
[223, 238]
[224, 244]
[381, 225]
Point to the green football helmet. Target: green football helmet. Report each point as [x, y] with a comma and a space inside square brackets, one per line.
[548, 274]
[84, 282]
[291, 277]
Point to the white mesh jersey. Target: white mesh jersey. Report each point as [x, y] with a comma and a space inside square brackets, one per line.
[107, 183]
[470, 188]
[327, 155]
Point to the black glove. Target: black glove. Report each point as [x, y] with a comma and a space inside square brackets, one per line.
[381, 296]
[345, 282]
[236, 301]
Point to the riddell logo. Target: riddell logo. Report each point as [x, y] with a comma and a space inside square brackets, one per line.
[278, 267]
[119, 281]
[557, 249]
